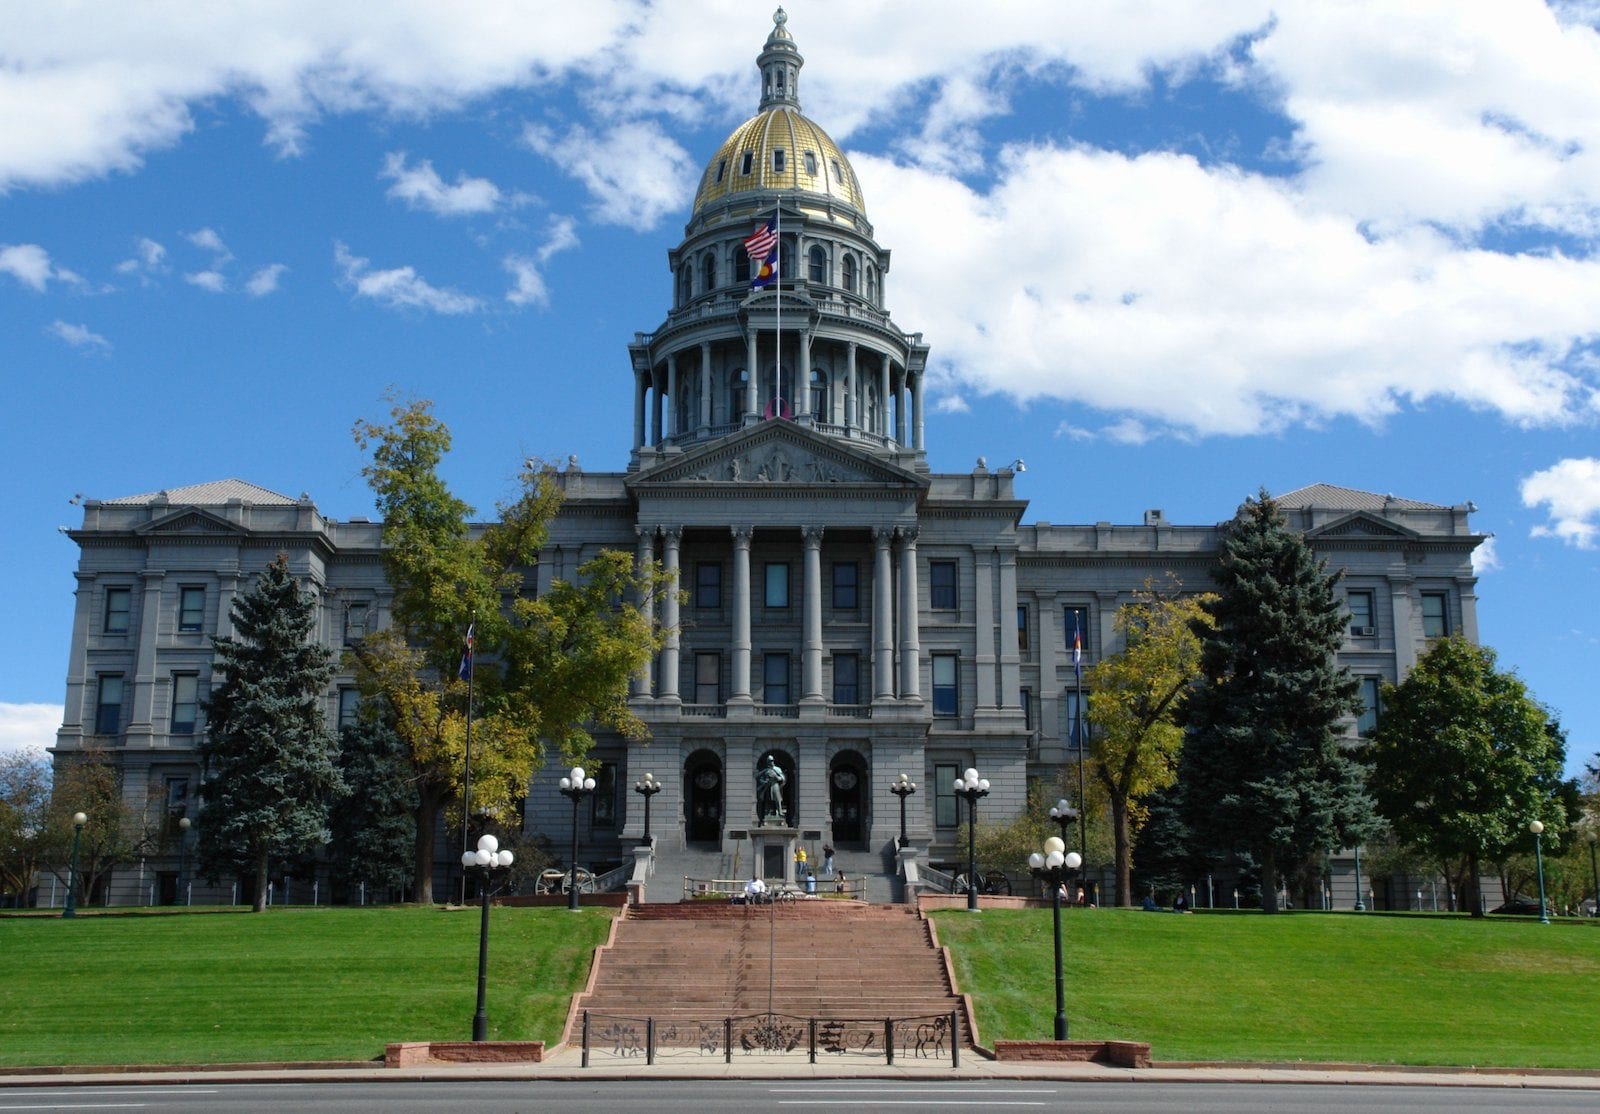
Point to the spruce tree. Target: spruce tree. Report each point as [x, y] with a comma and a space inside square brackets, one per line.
[1264, 770]
[374, 827]
[268, 751]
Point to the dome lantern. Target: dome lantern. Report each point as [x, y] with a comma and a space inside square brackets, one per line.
[780, 64]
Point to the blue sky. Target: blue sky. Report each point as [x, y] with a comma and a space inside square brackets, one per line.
[1167, 253]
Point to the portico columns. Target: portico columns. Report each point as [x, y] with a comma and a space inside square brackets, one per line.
[1010, 655]
[850, 388]
[638, 409]
[752, 409]
[910, 641]
[741, 615]
[915, 383]
[655, 409]
[983, 598]
[811, 622]
[671, 536]
[672, 396]
[705, 387]
[900, 410]
[882, 616]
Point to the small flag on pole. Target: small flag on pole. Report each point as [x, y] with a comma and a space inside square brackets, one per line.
[762, 248]
[466, 655]
[1077, 647]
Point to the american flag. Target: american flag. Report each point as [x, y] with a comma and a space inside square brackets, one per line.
[1077, 646]
[760, 245]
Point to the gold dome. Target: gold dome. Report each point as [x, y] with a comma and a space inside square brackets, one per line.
[779, 151]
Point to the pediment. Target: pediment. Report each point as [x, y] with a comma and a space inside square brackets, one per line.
[1362, 525]
[776, 454]
[190, 521]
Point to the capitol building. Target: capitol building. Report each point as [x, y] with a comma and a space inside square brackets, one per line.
[843, 607]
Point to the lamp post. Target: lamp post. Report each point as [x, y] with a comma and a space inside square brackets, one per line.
[79, 819]
[1537, 828]
[488, 858]
[972, 787]
[1360, 907]
[1052, 868]
[575, 786]
[1594, 871]
[183, 853]
[647, 787]
[903, 787]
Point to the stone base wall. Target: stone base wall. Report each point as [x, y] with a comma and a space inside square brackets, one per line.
[413, 1053]
[1122, 1054]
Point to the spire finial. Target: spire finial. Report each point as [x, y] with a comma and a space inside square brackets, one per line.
[780, 65]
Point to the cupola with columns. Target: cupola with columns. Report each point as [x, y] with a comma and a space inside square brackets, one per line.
[818, 347]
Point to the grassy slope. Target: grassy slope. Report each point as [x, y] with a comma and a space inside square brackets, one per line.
[288, 984]
[1419, 990]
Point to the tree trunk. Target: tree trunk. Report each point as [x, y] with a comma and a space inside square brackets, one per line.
[1124, 856]
[422, 867]
[1471, 887]
[1269, 882]
[260, 903]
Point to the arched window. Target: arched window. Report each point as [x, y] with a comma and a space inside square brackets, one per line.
[709, 269]
[872, 284]
[819, 264]
[850, 273]
[737, 384]
[685, 285]
[786, 261]
[741, 267]
[819, 395]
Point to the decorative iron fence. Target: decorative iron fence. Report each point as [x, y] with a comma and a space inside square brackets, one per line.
[927, 1037]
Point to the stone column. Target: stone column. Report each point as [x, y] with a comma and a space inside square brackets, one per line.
[900, 410]
[671, 424]
[1010, 652]
[705, 387]
[638, 409]
[811, 621]
[671, 537]
[910, 597]
[883, 397]
[741, 615]
[915, 384]
[655, 409]
[646, 602]
[983, 656]
[1050, 645]
[802, 389]
[1405, 635]
[850, 387]
[882, 616]
[142, 691]
[752, 408]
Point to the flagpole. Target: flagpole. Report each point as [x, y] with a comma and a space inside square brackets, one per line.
[1082, 724]
[466, 786]
[777, 340]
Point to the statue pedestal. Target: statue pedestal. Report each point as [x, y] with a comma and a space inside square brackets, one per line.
[772, 851]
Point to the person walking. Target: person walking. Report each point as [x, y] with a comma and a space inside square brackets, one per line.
[827, 860]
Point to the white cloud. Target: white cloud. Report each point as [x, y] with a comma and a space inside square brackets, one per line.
[207, 239]
[28, 726]
[150, 259]
[265, 281]
[1569, 490]
[399, 287]
[421, 188]
[1486, 558]
[951, 404]
[529, 285]
[213, 281]
[635, 172]
[79, 336]
[30, 265]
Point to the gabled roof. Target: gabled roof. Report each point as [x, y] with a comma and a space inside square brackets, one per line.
[1331, 498]
[215, 493]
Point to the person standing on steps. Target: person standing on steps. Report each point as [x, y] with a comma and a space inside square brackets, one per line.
[827, 860]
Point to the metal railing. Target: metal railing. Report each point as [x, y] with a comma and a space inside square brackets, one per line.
[924, 1037]
[613, 879]
[937, 880]
[783, 893]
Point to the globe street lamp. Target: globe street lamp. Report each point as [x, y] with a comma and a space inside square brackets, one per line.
[1065, 816]
[488, 858]
[1594, 871]
[903, 787]
[183, 853]
[972, 787]
[79, 819]
[575, 786]
[1053, 868]
[647, 787]
[1537, 829]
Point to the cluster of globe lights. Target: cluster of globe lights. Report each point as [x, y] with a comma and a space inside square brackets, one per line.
[487, 855]
[1055, 856]
[577, 780]
[969, 780]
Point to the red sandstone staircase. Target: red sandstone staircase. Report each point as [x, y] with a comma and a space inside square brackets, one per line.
[702, 961]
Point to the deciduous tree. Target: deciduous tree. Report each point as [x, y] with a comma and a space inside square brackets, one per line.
[24, 801]
[1265, 770]
[268, 749]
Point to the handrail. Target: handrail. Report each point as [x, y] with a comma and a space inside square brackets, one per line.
[939, 880]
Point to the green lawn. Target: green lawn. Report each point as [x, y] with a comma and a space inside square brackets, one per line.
[287, 984]
[1339, 987]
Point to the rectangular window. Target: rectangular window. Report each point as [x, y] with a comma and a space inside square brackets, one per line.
[777, 160]
[349, 707]
[708, 585]
[1360, 605]
[942, 585]
[846, 586]
[777, 594]
[722, 168]
[846, 678]
[355, 623]
[185, 702]
[1022, 627]
[603, 806]
[191, 608]
[811, 163]
[708, 678]
[1073, 704]
[747, 163]
[1367, 721]
[944, 797]
[119, 602]
[1435, 615]
[946, 693]
[1075, 625]
[775, 679]
[1026, 700]
[108, 709]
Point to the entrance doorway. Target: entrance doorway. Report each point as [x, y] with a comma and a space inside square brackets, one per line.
[848, 798]
[702, 798]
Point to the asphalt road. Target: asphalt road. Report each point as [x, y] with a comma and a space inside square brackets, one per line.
[701, 1097]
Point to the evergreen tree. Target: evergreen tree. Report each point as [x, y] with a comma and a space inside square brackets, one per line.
[1264, 770]
[1464, 758]
[268, 750]
[374, 827]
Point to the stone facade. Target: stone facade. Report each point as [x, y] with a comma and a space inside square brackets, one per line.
[846, 609]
